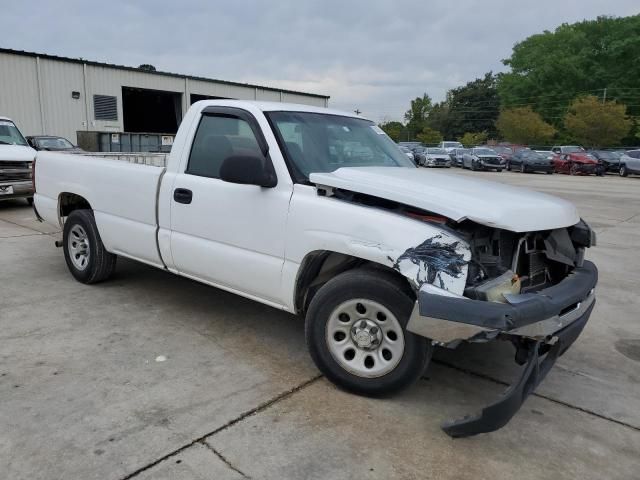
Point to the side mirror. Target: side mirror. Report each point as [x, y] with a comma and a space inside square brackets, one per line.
[248, 170]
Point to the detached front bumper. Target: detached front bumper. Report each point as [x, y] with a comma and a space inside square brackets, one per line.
[542, 325]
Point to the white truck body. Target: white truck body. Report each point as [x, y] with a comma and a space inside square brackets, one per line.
[251, 240]
[261, 240]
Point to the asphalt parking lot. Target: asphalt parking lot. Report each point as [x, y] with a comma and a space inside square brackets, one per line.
[152, 376]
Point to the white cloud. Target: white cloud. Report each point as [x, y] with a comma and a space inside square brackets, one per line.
[373, 55]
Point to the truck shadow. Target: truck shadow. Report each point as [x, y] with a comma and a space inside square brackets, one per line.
[214, 312]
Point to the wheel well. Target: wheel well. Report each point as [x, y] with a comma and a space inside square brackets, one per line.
[68, 202]
[319, 267]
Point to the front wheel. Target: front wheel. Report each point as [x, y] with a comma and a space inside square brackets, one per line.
[623, 171]
[573, 169]
[355, 331]
[523, 169]
[84, 252]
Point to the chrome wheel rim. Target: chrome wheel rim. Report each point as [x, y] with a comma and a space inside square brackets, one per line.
[365, 338]
[78, 245]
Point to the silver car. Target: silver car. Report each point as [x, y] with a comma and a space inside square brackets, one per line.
[437, 157]
[630, 163]
[483, 158]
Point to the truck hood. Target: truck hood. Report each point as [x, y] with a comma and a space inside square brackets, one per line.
[582, 158]
[456, 197]
[16, 153]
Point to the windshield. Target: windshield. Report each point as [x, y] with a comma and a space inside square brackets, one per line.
[607, 155]
[436, 151]
[10, 135]
[572, 149]
[54, 143]
[317, 142]
[533, 155]
[451, 144]
[483, 151]
[503, 149]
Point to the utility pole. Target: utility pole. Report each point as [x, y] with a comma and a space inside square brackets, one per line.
[604, 95]
[357, 112]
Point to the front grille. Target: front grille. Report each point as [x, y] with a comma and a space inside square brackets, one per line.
[491, 160]
[14, 171]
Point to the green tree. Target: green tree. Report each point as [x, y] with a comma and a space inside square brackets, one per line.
[524, 126]
[396, 130]
[416, 116]
[550, 69]
[593, 123]
[471, 138]
[443, 120]
[473, 107]
[429, 136]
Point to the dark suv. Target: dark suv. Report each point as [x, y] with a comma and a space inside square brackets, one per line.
[608, 159]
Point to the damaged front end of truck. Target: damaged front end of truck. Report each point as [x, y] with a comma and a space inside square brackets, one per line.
[497, 263]
[532, 289]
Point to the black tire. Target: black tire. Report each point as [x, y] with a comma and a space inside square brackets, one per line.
[473, 166]
[508, 166]
[523, 168]
[100, 264]
[376, 286]
[549, 172]
[499, 170]
[573, 169]
[623, 171]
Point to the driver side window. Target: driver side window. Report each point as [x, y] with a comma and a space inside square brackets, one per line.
[218, 138]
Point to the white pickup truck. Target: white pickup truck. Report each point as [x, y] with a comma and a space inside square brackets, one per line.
[16, 157]
[318, 213]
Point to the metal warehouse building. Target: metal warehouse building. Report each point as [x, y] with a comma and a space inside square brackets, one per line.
[110, 107]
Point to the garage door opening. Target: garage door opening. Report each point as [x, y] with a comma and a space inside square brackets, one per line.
[196, 97]
[151, 111]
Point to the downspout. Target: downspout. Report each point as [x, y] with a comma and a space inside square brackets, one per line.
[40, 102]
[86, 98]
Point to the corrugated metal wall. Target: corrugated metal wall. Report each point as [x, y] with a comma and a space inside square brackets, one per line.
[37, 93]
[19, 92]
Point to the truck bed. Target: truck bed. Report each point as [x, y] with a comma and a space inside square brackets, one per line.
[122, 190]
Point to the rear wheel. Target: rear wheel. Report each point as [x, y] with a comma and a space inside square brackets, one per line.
[355, 331]
[84, 252]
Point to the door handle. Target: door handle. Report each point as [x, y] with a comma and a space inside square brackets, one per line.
[182, 195]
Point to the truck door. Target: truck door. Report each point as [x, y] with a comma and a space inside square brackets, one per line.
[227, 234]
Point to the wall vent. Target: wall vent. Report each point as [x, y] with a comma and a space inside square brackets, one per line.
[105, 107]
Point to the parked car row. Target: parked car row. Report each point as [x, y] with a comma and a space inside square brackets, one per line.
[567, 159]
